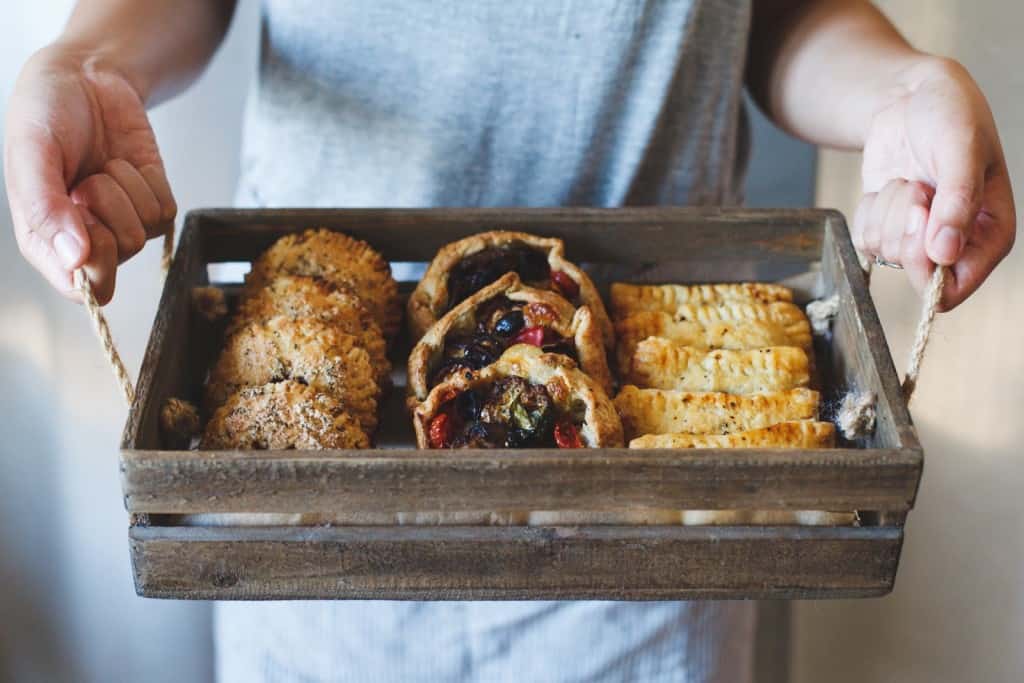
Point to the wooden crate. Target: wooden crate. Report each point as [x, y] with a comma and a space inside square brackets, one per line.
[809, 250]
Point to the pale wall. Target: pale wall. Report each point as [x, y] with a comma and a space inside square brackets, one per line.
[957, 613]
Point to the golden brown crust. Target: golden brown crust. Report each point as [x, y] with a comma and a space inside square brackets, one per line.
[800, 434]
[570, 390]
[341, 261]
[281, 416]
[661, 364]
[429, 302]
[541, 307]
[307, 350]
[300, 297]
[658, 411]
[627, 299]
[707, 336]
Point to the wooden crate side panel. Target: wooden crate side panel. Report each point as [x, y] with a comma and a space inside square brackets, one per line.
[193, 482]
[458, 563]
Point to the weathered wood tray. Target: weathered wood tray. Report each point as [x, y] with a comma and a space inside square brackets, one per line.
[809, 250]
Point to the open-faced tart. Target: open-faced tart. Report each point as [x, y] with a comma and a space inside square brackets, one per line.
[476, 332]
[526, 399]
[462, 268]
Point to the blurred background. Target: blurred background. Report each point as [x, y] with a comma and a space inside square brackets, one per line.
[68, 611]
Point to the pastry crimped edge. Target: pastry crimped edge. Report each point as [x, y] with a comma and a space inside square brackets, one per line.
[794, 434]
[576, 324]
[664, 411]
[427, 302]
[626, 299]
[564, 381]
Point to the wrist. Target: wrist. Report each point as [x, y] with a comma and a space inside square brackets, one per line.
[108, 56]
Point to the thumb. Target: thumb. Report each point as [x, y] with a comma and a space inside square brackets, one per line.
[48, 226]
[957, 201]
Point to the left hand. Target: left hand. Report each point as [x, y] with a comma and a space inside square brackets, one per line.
[936, 186]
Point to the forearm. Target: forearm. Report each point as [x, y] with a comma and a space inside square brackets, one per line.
[160, 46]
[821, 69]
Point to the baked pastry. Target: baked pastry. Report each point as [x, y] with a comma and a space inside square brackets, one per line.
[750, 334]
[300, 297]
[660, 411]
[662, 364]
[463, 268]
[627, 299]
[280, 416]
[526, 399]
[339, 260]
[796, 434]
[477, 331]
[307, 350]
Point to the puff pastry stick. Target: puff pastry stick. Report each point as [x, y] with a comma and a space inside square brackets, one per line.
[627, 299]
[750, 334]
[659, 411]
[800, 434]
[662, 364]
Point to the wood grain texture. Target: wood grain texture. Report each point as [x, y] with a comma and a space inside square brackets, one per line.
[467, 563]
[808, 250]
[408, 480]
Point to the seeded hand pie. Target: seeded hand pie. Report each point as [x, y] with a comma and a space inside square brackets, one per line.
[281, 416]
[306, 350]
[342, 262]
[476, 332]
[462, 268]
[527, 399]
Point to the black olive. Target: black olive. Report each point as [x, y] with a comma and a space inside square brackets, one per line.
[518, 438]
[509, 324]
[468, 404]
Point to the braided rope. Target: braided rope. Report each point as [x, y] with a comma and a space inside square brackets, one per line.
[99, 321]
[930, 305]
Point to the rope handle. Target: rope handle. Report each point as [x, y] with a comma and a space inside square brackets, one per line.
[856, 414]
[99, 321]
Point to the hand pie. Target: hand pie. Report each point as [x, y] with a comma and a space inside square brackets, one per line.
[339, 260]
[527, 399]
[750, 334]
[300, 297]
[662, 364]
[476, 332]
[307, 350]
[659, 411]
[463, 268]
[799, 434]
[281, 416]
[627, 299]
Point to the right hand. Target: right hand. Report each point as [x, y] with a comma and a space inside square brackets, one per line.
[85, 180]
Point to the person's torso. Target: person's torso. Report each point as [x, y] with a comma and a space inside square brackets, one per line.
[495, 103]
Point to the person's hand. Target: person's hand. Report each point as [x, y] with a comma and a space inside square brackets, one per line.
[936, 186]
[85, 180]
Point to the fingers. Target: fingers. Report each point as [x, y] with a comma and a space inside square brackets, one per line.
[47, 225]
[134, 204]
[884, 220]
[958, 198]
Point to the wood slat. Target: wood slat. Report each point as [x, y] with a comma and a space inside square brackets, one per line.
[408, 480]
[466, 563]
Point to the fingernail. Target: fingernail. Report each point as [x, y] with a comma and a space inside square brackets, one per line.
[948, 242]
[916, 222]
[68, 249]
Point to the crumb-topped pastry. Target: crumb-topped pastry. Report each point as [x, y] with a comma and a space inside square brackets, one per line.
[307, 350]
[300, 297]
[477, 331]
[527, 399]
[282, 415]
[462, 268]
[341, 261]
